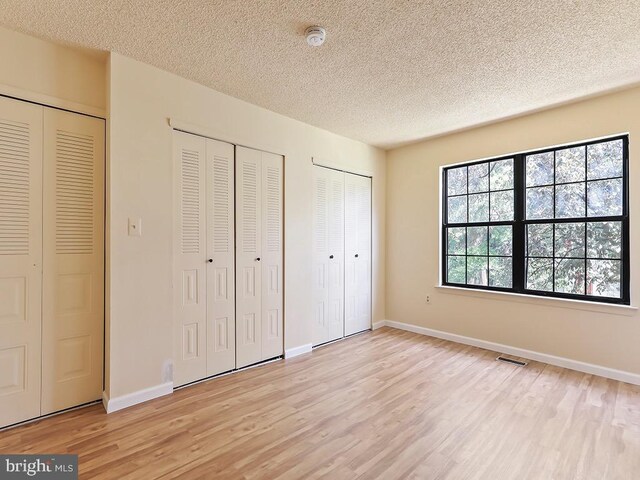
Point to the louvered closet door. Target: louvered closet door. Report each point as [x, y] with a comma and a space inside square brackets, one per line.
[320, 255]
[221, 345]
[271, 250]
[190, 261]
[248, 256]
[328, 255]
[20, 259]
[73, 277]
[336, 254]
[357, 253]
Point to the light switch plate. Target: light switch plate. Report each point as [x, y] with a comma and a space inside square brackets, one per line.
[135, 227]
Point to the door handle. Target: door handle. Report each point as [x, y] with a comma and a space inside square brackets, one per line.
[330, 256]
[258, 259]
[210, 260]
[356, 255]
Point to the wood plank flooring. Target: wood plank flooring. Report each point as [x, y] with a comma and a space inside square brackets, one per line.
[387, 404]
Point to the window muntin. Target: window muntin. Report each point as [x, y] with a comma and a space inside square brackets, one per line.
[552, 222]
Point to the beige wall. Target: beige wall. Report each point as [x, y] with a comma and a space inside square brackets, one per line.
[606, 336]
[142, 99]
[42, 71]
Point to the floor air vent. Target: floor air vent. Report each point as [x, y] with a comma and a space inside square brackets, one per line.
[513, 361]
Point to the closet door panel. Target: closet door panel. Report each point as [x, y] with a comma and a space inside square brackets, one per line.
[190, 261]
[272, 271]
[320, 255]
[351, 241]
[336, 231]
[248, 257]
[73, 275]
[20, 260]
[221, 344]
[364, 259]
[357, 254]
[329, 224]
[329, 237]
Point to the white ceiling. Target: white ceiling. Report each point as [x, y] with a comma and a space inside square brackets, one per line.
[390, 72]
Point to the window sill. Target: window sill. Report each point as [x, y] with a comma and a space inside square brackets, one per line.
[611, 309]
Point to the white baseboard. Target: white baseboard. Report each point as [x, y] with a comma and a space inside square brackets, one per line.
[377, 325]
[118, 403]
[577, 365]
[295, 351]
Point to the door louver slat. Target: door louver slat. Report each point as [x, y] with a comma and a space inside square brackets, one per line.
[190, 202]
[273, 209]
[221, 198]
[320, 226]
[249, 207]
[14, 188]
[74, 193]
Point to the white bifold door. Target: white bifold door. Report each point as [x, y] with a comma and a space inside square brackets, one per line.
[259, 257]
[357, 254]
[51, 260]
[342, 254]
[20, 260]
[228, 257]
[204, 317]
[328, 254]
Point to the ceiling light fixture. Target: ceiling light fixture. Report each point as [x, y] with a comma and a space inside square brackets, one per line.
[315, 36]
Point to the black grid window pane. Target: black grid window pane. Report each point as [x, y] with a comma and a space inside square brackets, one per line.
[605, 160]
[540, 202]
[552, 222]
[479, 207]
[604, 197]
[575, 182]
[457, 207]
[500, 256]
[587, 258]
[501, 174]
[604, 259]
[540, 169]
[478, 234]
[570, 165]
[457, 269]
[457, 181]
[479, 178]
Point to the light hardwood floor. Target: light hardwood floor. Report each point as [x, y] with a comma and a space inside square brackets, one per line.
[387, 404]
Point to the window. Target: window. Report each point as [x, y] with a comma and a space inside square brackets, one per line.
[552, 222]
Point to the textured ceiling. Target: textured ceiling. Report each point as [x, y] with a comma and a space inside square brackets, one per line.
[390, 71]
